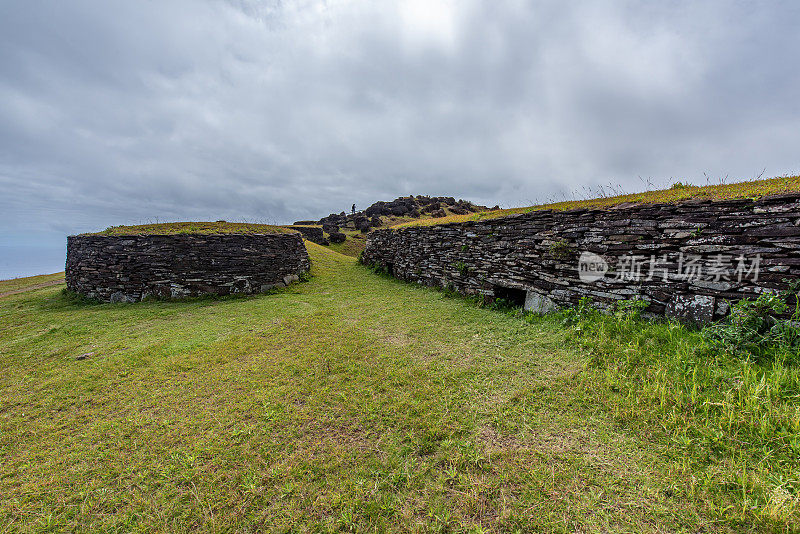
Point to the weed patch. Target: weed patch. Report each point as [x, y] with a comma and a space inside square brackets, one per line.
[765, 328]
[732, 419]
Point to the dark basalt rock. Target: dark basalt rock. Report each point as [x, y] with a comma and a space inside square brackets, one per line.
[132, 268]
[337, 237]
[412, 206]
[312, 233]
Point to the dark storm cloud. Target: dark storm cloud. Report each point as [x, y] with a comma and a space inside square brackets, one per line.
[118, 111]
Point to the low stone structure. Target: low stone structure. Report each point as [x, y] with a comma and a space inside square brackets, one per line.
[687, 259]
[312, 233]
[132, 268]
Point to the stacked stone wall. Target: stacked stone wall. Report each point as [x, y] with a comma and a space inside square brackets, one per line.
[686, 259]
[132, 268]
[312, 233]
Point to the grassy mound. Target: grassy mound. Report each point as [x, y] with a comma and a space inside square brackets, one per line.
[359, 403]
[677, 193]
[172, 228]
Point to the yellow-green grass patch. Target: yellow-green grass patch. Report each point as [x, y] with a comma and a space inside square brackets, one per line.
[172, 228]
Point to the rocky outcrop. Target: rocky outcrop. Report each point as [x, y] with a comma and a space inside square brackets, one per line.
[132, 268]
[410, 206]
[686, 260]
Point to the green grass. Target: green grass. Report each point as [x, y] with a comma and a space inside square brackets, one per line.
[352, 246]
[16, 284]
[357, 402]
[734, 419]
[679, 192]
[218, 227]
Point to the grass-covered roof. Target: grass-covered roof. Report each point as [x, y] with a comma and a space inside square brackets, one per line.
[172, 228]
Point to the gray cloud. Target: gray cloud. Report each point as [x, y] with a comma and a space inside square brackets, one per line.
[119, 112]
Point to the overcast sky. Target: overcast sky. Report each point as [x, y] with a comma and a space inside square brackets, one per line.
[119, 112]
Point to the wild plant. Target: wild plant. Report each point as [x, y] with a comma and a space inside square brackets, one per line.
[762, 328]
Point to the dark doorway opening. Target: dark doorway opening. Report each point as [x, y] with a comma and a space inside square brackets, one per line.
[515, 297]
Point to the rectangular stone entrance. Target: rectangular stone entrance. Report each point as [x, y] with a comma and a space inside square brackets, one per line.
[514, 296]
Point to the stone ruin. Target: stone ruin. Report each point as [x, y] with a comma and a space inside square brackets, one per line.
[133, 268]
[686, 260]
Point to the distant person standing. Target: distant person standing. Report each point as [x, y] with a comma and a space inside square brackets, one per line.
[354, 209]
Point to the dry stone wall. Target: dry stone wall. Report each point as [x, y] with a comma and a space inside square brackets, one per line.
[132, 268]
[312, 233]
[688, 260]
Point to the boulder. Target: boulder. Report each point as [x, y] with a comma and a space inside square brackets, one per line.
[374, 210]
[337, 237]
[537, 303]
[697, 309]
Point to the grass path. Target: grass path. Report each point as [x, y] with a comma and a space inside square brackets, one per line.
[350, 402]
[30, 283]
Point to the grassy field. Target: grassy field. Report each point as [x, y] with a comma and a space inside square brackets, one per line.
[678, 192]
[354, 402]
